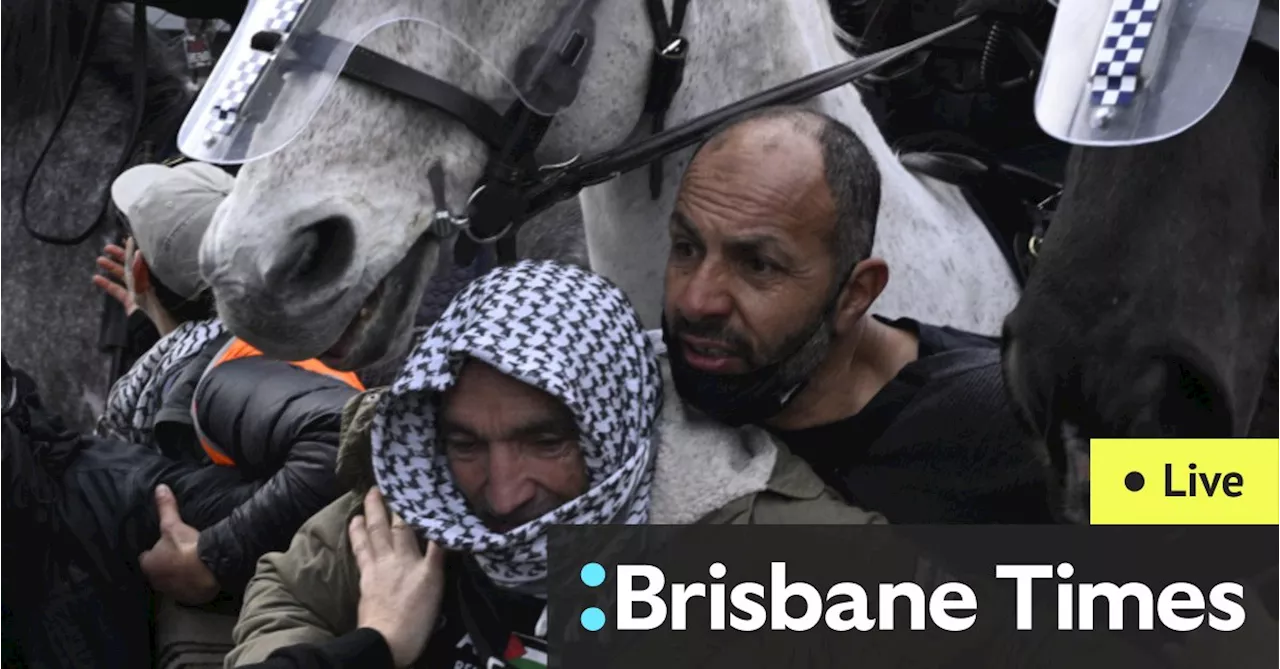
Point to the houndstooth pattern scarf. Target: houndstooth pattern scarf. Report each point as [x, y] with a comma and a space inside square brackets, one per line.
[558, 328]
[137, 396]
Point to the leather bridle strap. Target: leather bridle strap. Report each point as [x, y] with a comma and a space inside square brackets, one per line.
[499, 198]
[666, 73]
[377, 70]
[511, 138]
[557, 62]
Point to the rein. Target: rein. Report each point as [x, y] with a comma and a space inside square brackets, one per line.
[567, 182]
[139, 113]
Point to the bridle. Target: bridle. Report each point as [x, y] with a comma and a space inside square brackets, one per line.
[513, 186]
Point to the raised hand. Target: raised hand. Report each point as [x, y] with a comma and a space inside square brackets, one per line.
[400, 588]
[113, 282]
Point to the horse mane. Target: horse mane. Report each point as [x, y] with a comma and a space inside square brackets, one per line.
[41, 48]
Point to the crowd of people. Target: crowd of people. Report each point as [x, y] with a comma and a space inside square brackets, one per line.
[407, 523]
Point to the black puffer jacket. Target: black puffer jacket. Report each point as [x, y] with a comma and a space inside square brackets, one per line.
[279, 423]
[78, 509]
[82, 508]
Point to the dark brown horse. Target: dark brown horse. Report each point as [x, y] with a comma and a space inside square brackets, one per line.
[1152, 309]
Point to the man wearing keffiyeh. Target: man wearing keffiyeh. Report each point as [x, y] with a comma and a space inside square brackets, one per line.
[537, 399]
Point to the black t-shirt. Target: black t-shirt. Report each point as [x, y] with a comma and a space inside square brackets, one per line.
[937, 339]
[968, 461]
[475, 616]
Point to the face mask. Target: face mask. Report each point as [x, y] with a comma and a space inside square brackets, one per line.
[757, 395]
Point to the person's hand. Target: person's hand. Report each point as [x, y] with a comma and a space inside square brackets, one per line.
[400, 588]
[173, 565]
[113, 283]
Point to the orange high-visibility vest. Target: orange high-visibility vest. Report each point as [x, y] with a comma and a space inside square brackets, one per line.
[238, 348]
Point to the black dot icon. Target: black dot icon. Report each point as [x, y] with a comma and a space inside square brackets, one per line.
[1134, 481]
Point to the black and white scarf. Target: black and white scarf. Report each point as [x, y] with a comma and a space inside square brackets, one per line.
[137, 396]
[555, 327]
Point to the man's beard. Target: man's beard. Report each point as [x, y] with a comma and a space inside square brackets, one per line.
[756, 395]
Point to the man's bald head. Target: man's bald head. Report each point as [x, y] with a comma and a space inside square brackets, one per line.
[798, 148]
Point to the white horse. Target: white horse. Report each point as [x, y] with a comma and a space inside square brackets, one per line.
[321, 248]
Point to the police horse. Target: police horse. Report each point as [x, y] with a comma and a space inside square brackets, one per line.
[124, 107]
[373, 135]
[1152, 308]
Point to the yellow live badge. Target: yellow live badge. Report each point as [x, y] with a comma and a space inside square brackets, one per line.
[1184, 481]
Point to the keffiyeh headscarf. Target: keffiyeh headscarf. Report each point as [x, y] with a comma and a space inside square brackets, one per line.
[136, 397]
[555, 327]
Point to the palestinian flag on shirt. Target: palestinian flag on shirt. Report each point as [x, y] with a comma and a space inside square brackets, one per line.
[525, 652]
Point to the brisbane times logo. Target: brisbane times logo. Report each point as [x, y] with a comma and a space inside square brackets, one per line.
[643, 600]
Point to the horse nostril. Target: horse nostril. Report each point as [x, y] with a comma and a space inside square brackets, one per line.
[317, 254]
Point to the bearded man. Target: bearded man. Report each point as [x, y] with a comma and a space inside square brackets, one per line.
[770, 284]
